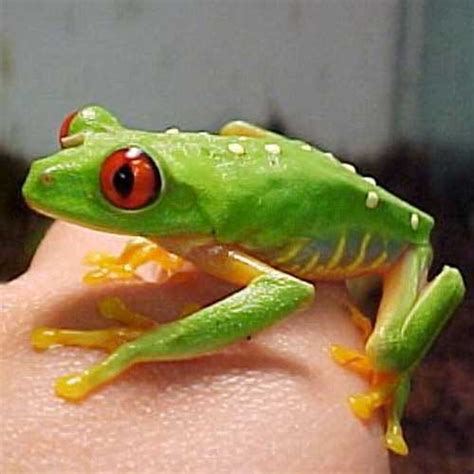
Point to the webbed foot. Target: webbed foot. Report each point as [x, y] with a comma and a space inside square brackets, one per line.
[108, 339]
[387, 390]
[136, 253]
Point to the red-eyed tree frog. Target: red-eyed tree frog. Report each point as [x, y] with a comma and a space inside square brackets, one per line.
[268, 213]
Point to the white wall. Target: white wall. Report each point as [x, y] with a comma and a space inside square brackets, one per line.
[325, 67]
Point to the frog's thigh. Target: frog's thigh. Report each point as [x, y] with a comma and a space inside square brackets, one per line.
[107, 339]
[412, 312]
[269, 296]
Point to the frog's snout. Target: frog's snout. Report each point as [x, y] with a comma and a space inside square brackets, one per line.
[40, 180]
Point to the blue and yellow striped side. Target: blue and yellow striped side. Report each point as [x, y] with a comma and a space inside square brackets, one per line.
[349, 255]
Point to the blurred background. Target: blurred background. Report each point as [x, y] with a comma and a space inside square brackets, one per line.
[387, 84]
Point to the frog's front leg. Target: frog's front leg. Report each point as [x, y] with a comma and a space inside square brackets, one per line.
[109, 339]
[269, 296]
[137, 252]
[411, 315]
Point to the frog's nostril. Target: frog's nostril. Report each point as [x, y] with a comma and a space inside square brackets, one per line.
[47, 179]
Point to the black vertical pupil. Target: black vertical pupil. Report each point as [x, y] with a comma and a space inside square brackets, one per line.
[123, 180]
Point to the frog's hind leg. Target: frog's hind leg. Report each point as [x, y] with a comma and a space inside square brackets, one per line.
[411, 315]
[109, 339]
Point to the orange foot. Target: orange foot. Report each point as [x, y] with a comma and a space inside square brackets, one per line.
[383, 393]
[108, 339]
[136, 253]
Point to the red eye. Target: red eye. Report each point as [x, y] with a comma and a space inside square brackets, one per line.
[130, 179]
[64, 130]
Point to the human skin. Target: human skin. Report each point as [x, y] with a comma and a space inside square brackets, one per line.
[277, 403]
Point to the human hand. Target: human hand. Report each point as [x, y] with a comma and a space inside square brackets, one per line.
[277, 403]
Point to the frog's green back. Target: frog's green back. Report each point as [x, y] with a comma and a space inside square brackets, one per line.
[275, 190]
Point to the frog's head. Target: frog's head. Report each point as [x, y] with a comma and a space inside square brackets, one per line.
[110, 178]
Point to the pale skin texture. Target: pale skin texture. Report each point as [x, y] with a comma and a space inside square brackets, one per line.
[277, 403]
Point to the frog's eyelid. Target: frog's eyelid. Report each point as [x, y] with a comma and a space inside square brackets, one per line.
[73, 140]
[66, 125]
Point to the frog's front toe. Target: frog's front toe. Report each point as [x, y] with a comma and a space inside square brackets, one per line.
[108, 339]
[363, 405]
[72, 387]
[136, 253]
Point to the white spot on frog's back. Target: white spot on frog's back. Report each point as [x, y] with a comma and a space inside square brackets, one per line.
[349, 167]
[372, 200]
[272, 148]
[330, 156]
[306, 147]
[414, 221]
[172, 131]
[236, 148]
[370, 180]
